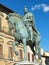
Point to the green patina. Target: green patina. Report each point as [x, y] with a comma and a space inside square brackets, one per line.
[24, 31]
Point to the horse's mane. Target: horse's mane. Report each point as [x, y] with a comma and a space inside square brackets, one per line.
[15, 15]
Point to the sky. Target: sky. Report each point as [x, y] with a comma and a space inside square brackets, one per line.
[40, 10]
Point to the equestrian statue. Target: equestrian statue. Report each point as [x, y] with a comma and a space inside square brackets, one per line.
[25, 32]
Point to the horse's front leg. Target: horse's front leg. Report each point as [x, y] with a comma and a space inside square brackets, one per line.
[14, 47]
[25, 49]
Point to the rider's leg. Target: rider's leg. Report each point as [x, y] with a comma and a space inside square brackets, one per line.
[31, 32]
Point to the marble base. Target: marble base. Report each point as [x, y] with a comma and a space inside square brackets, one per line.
[25, 63]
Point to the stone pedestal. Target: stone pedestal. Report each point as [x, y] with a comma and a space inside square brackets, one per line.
[25, 63]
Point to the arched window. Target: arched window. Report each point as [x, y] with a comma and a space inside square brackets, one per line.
[28, 56]
[1, 51]
[21, 55]
[10, 53]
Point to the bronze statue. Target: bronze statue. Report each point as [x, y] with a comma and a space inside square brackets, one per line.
[25, 31]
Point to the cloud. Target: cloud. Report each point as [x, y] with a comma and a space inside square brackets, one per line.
[43, 6]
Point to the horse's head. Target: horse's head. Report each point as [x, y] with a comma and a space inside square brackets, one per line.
[11, 20]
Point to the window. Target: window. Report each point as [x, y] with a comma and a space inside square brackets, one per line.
[21, 55]
[32, 57]
[10, 53]
[28, 56]
[1, 51]
[0, 23]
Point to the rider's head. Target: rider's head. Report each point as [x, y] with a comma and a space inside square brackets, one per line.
[25, 10]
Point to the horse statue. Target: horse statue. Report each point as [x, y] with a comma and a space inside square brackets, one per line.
[24, 32]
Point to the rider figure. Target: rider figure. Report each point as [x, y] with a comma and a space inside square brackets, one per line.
[29, 21]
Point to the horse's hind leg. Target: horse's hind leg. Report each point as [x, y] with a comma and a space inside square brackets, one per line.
[25, 49]
[37, 47]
